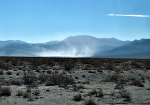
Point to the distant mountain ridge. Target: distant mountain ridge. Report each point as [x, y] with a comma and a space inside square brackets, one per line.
[78, 46]
[134, 49]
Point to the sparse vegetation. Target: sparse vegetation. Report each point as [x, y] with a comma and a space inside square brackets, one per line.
[76, 88]
[26, 95]
[64, 77]
[137, 83]
[58, 79]
[9, 73]
[19, 93]
[125, 95]
[36, 92]
[77, 97]
[97, 92]
[5, 91]
[89, 102]
[1, 72]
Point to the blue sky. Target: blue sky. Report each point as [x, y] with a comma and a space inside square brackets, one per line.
[46, 20]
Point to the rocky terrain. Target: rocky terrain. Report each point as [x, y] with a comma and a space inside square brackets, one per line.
[74, 81]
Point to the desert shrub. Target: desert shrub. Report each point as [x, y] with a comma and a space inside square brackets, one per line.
[37, 70]
[119, 86]
[4, 65]
[59, 79]
[137, 83]
[77, 97]
[76, 88]
[28, 89]
[137, 65]
[86, 82]
[49, 83]
[114, 77]
[47, 90]
[109, 66]
[91, 71]
[76, 77]
[19, 93]
[9, 73]
[17, 74]
[49, 72]
[16, 82]
[68, 66]
[89, 102]
[42, 78]
[97, 92]
[5, 91]
[26, 95]
[124, 94]
[19, 68]
[30, 98]
[83, 76]
[30, 79]
[1, 72]
[43, 71]
[93, 92]
[36, 92]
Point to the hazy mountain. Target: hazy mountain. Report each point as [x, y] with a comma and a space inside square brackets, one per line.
[18, 49]
[3, 43]
[135, 49]
[79, 46]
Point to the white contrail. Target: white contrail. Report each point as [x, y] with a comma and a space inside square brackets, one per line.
[130, 15]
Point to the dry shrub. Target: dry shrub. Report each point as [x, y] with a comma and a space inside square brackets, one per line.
[89, 102]
[31, 98]
[28, 89]
[97, 92]
[137, 65]
[42, 78]
[29, 78]
[119, 86]
[124, 94]
[19, 93]
[76, 88]
[91, 71]
[16, 82]
[26, 95]
[1, 72]
[36, 92]
[59, 79]
[49, 83]
[9, 73]
[18, 74]
[49, 72]
[137, 83]
[111, 78]
[114, 77]
[68, 66]
[93, 92]
[77, 97]
[5, 91]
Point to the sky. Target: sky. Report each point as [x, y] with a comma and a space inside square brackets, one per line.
[39, 21]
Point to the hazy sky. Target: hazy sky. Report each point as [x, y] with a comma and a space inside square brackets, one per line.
[45, 20]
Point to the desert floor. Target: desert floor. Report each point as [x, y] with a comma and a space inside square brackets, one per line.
[74, 81]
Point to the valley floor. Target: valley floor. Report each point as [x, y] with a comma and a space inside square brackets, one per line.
[104, 81]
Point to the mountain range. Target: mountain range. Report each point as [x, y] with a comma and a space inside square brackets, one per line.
[79, 46]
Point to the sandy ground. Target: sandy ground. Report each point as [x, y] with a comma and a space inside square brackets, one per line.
[61, 96]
